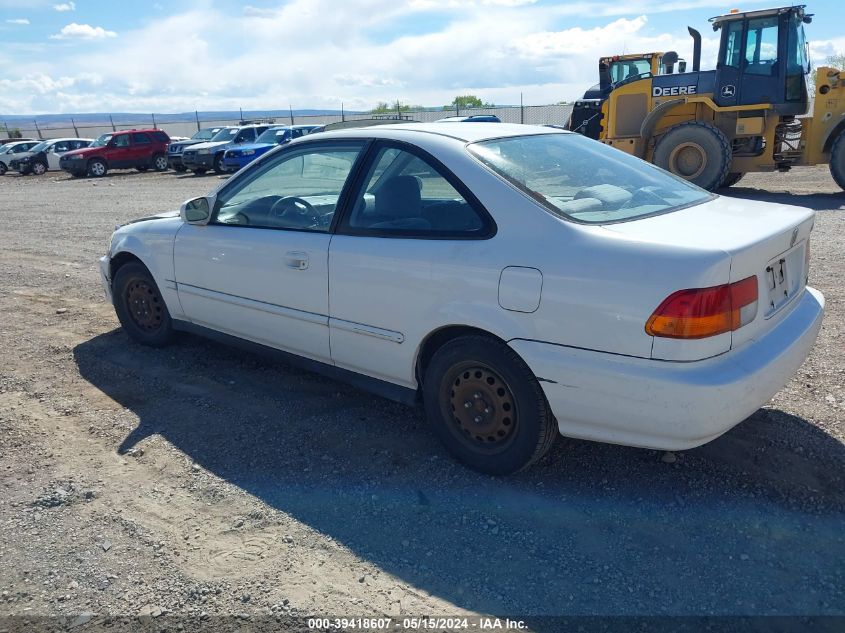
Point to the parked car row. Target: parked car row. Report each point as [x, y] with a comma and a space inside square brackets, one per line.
[223, 149]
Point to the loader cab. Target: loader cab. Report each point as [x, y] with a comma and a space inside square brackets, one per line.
[763, 59]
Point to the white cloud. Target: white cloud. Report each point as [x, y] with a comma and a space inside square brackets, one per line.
[22, 21]
[65, 6]
[242, 56]
[83, 32]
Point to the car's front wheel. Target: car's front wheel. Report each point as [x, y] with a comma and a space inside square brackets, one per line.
[3, 168]
[160, 162]
[140, 307]
[486, 406]
[219, 165]
[97, 168]
[39, 168]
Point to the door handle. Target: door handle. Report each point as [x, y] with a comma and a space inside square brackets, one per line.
[296, 260]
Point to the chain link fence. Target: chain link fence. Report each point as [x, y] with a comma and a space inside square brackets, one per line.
[534, 115]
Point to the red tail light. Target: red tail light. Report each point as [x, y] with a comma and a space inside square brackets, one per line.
[703, 312]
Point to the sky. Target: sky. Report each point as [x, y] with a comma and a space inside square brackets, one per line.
[131, 56]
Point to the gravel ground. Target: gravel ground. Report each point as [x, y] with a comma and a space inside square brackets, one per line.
[204, 480]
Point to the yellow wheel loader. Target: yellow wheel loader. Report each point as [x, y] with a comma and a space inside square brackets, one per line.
[747, 115]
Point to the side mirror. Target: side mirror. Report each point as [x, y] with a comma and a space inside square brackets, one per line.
[196, 211]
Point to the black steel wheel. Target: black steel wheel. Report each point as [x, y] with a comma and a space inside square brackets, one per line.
[140, 306]
[486, 406]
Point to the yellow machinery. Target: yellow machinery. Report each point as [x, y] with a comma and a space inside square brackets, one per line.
[748, 115]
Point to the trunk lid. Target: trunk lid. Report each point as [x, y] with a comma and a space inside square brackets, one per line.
[763, 239]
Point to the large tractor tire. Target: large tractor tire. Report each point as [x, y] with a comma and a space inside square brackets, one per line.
[733, 178]
[837, 160]
[696, 151]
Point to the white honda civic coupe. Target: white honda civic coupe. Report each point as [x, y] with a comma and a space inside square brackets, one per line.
[519, 281]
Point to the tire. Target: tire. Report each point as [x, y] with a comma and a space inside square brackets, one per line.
[160, 162]
[140, 307]
[97, 168]
[219, 166]
[733, 178]
[696, 151]
[486, 406]
[39, 168]
[3, 168]
[837, 160]
[180, 168]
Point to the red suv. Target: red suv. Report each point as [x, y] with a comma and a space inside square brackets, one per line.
[125, 149]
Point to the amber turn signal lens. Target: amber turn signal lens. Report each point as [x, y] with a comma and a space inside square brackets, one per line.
[702, 312]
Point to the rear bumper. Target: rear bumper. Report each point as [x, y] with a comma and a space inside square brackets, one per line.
[670, 405]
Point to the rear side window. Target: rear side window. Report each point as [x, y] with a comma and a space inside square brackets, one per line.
[161, 137]
[578, 178]
[408, 195]
[139, 138]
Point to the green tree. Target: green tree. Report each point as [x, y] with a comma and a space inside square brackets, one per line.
[836, 60]
[464, 102]
[15, 133]
[390, 108]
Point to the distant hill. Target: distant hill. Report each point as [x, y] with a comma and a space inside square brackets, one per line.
[123, 118]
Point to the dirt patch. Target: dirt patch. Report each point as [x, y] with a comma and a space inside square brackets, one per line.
[203, 480]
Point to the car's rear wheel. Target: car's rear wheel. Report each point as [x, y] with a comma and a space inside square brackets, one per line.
[486, 406]
[39, 168]
[3, 168]
[160, 162]
[696, 151]
[97, 168]
[219, 165]
[140, 306]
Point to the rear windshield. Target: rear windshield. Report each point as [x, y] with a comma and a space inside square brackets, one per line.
[584, 180]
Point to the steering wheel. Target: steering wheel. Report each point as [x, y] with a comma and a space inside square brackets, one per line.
[295, 209]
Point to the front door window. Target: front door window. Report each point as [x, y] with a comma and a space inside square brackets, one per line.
[296, 190]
